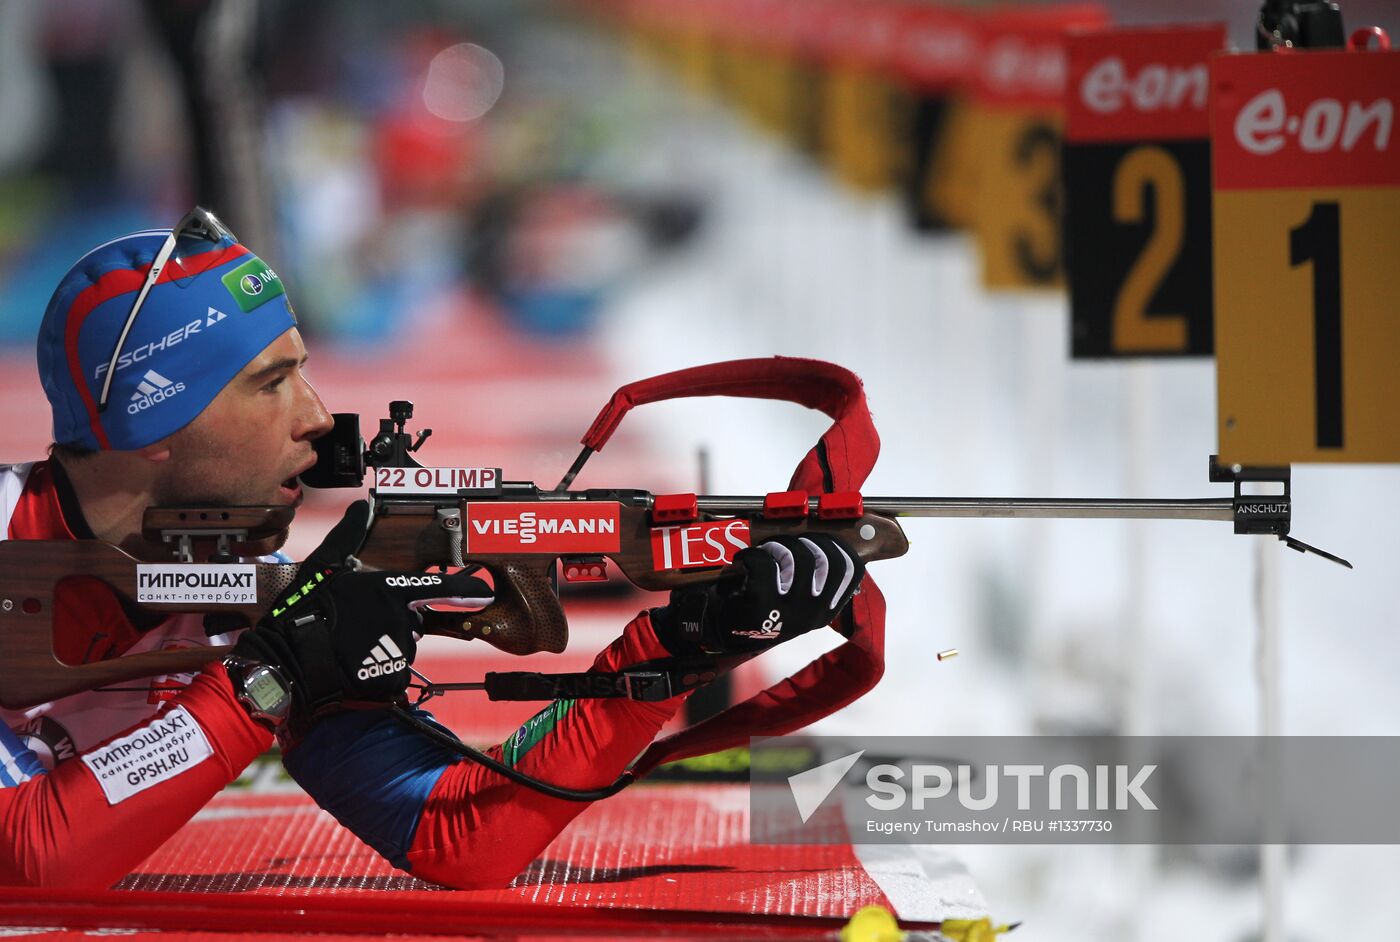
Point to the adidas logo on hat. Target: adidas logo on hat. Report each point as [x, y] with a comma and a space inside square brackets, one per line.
[384, 658]
[152, 390]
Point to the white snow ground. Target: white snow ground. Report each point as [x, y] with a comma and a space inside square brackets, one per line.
[1064, 626]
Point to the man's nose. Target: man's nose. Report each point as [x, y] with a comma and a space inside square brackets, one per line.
[316, 420]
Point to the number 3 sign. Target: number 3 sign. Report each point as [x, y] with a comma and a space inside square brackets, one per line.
[1307, 256]
[1019, 93]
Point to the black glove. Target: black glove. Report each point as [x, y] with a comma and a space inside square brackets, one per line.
[783, 588]
[343, 637]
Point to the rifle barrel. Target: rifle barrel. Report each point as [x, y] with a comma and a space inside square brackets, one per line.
[1062, 507]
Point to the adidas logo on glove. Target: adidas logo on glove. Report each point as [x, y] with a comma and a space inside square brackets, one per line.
[384, 658]
[404, 582]
[772, 627]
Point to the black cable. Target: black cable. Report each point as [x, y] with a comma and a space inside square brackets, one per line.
[500, 768]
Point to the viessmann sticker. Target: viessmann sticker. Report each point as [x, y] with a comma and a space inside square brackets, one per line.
[543, 527]
[165, 747]
[234, 583]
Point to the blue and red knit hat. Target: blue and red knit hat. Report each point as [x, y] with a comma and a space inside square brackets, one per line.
[213, 308]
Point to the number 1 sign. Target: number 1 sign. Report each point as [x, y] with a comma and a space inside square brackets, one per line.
[1307, 256]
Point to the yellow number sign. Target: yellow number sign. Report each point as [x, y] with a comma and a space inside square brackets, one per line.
[1307, 256]
[1136, 170]
[1019, 96]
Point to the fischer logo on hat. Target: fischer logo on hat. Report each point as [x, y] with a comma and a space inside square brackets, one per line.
[213, 309]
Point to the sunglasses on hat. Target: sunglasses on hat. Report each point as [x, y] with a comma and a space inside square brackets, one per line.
[198, 222]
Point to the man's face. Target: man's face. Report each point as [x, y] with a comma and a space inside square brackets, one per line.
[250, 443]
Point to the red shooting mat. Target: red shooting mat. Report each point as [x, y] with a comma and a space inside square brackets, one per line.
[652, 857]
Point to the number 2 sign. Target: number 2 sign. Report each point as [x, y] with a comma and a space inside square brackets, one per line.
[1307, 256]
[1137, 190]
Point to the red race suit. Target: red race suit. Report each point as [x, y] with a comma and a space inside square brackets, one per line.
[91, 784]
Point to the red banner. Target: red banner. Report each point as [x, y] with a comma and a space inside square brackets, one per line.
[859, 33]
[1146, 84]
[1022, 61]
[936, 49]
[1305, 119]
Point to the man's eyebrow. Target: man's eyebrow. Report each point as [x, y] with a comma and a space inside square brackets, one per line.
[276, 366]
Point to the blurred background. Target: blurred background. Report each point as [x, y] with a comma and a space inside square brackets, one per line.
[503, 210]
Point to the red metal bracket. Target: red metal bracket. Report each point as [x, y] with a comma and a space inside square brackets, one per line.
[785, 504]
[843, 505]
[674, 508]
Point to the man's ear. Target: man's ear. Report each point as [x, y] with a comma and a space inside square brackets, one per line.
[156, 453]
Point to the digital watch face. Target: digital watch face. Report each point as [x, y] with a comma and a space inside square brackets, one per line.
[266, 691]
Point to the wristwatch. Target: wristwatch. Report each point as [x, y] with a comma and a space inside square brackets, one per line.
[260, 689]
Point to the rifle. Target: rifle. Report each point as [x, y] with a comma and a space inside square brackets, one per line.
[429, 517]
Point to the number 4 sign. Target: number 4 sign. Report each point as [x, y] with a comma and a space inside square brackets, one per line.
[1307, 256]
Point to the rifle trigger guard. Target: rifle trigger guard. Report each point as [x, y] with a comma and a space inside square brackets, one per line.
[450, 519]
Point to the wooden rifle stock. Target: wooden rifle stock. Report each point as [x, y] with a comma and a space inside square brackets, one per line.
[524, 618]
